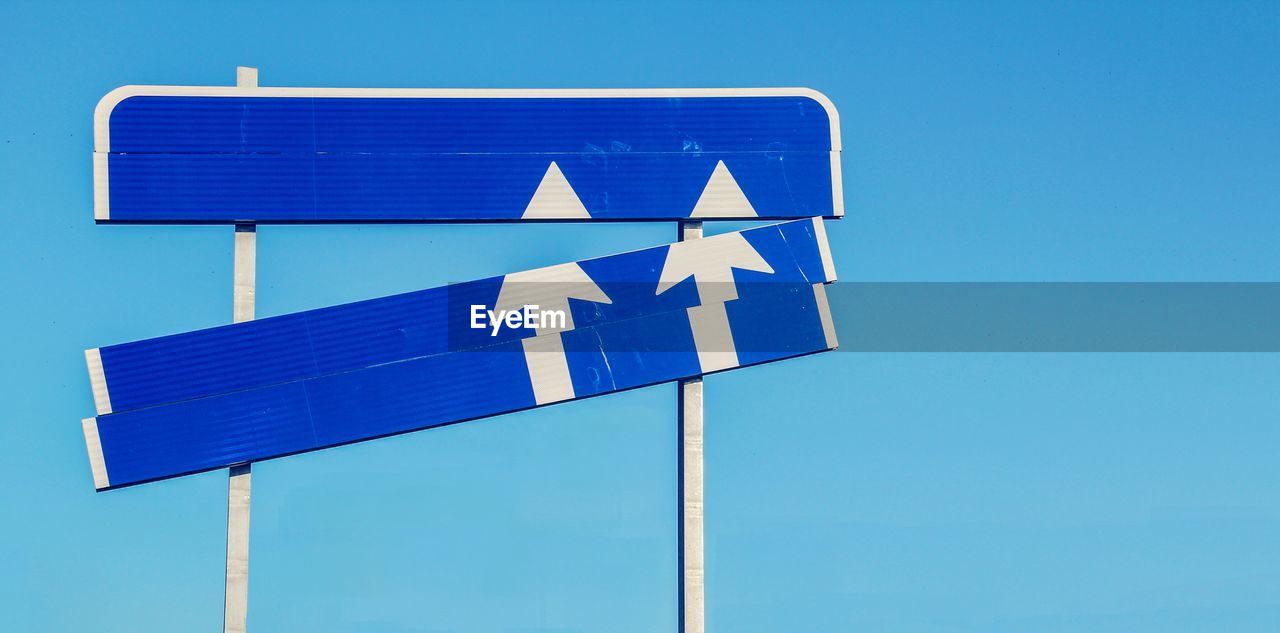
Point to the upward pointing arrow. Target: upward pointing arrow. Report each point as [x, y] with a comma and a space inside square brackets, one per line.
[722, 197]
[710, 261]
[549, 288]
[555, 198]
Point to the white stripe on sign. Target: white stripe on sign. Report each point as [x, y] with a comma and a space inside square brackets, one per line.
[712, 337]
[824, 313]
[101, 188]
[548, 368]
[93, 443]
[98, 381]
[837, 186]
[824, 250]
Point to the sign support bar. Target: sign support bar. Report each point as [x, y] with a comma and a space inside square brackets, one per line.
[236, 598]
[692, 568]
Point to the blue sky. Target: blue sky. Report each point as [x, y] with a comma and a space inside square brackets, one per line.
[876, 492]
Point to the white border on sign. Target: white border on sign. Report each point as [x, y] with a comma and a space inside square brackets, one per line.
[98, 381]
[824, 314]
[97, 464]
[824, 250]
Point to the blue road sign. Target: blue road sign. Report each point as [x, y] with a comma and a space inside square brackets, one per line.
[180, 154]
[283, 385]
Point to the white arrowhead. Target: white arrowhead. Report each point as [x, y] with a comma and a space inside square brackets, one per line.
[710, 262]
[554, 198]
[722, 197]
[549, 288]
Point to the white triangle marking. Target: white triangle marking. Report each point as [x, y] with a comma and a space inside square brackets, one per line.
[722, 198]
[554, 198]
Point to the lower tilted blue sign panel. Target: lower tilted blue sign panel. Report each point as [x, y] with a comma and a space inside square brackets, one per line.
[166, 154]
[299, 382]
[768, 322]
[343, 338]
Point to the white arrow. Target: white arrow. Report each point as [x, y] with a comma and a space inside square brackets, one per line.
[722, 197]
[549, 289]
[555, 198]
[710, 261]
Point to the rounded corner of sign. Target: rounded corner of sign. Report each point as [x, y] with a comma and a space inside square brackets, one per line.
[829, 106]
[109, 101]
[105, 105]
[102, 114]
[819, 96]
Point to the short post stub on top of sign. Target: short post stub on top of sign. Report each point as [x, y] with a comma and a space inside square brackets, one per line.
[236, 597]
[692, 609]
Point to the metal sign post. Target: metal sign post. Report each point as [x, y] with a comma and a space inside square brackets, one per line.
[235, 611]
[692, 568]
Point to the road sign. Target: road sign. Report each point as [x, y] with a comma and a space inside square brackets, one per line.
[185, 154]
[301, 382]
[434, 321]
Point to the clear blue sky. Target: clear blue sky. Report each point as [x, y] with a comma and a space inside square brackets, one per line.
[868, 492]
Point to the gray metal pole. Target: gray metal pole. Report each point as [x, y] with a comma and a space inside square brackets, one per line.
[236, 598]
[692, 569]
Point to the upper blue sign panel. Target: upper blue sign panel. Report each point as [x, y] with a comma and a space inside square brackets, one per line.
[174, 154]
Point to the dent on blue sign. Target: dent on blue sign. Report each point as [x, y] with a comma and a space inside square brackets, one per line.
[221, 155]
[261, 389]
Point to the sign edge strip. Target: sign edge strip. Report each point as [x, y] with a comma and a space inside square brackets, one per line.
[824, 314]
[824, 249]
[98, 381]
[97, 462]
